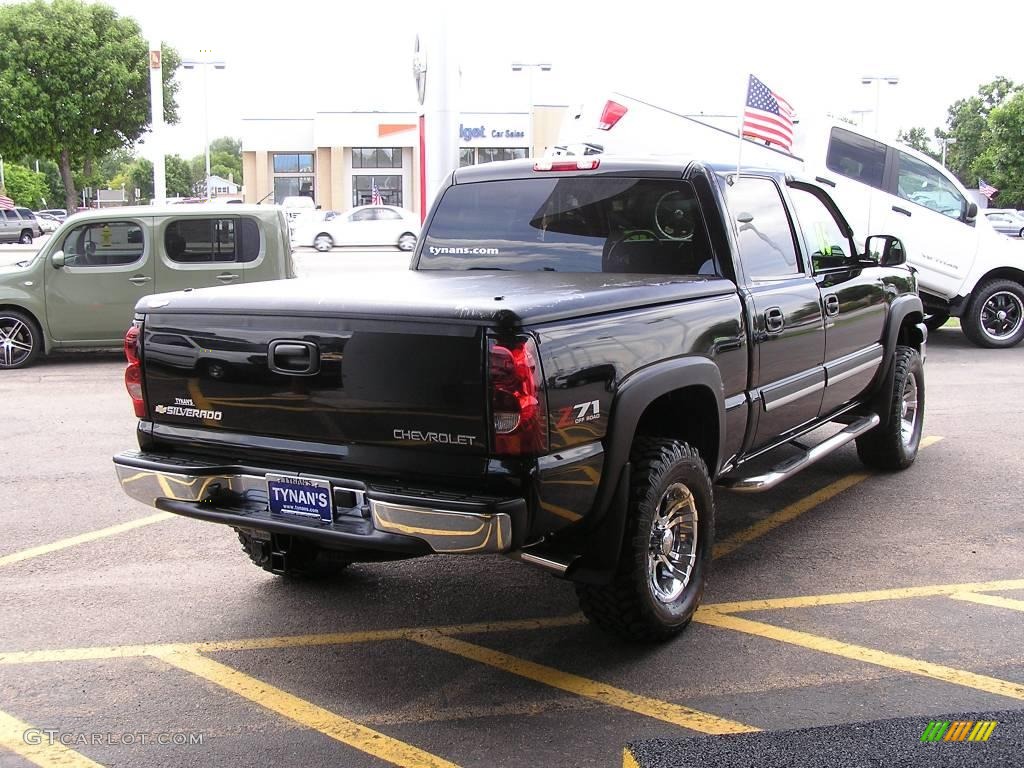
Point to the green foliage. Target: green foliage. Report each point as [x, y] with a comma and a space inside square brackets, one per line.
[917, 138]
[180, 181]
[25, 186]
[1002, 162]
[225, 160]
[74, 82]
[968, 123]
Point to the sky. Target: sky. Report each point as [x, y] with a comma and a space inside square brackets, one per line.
[296, 58]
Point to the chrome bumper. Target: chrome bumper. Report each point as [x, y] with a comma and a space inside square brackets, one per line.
[451, 531]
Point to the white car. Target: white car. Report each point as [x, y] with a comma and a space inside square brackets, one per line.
[364, 225]
[47, 222]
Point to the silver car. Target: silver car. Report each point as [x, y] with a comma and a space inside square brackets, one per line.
[18, 225]
[1006, 220]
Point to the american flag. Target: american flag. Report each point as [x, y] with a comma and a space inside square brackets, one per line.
[767, 115]
[6, 204]
[983, 186]
[375, 198]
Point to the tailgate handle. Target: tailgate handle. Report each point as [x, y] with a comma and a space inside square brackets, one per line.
[294, 358]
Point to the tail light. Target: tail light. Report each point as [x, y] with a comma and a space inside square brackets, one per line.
[566, 165]
[610, 115]
[518, 405]
[133, 373]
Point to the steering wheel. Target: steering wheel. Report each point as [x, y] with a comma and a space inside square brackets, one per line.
[673, 217]
[637, 234]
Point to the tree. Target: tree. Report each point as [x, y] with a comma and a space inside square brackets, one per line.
[180, 181]
[74, 83]
[917, 138]
[1002, 161]
[225, 160]
[25, 186]
[967, 123]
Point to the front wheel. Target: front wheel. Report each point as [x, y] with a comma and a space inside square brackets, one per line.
[894, 445]
[323, 243]
[667, 547]
[995, 315]
[407, 241]
[20, 339]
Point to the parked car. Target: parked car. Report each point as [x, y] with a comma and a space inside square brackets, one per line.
[18, 225]
[364, 225]
[1006, 220]
[47, 222]
[58, 213]
[80, 289]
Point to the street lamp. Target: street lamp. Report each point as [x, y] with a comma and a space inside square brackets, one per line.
[944, 142]
[878, 80]
[205, 62]
[518, 66]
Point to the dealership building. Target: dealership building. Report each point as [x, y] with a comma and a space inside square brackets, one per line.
[340, 158]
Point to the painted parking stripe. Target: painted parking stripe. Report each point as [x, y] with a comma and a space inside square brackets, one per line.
[14, 735]
[303, 712]
[84, 538]
[860, 653]
[675, 714]
[870, 596]
[992, 600]
[792, 511]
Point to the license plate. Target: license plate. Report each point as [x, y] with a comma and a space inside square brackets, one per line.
[300, 496]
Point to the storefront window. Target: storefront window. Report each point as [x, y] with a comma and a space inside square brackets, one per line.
[388, 187]
[292, 186]
[493, 154]
[467, 156]
[376, 157]
[293, 163]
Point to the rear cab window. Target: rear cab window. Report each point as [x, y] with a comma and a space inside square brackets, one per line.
[570, 224]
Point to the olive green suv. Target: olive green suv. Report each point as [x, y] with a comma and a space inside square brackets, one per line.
[80, 289]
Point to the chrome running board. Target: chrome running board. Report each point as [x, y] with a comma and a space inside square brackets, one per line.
[791, 466]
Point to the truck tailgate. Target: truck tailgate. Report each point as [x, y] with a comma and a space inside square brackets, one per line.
[330, 380]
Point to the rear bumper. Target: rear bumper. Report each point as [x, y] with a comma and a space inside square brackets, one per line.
[364, 517]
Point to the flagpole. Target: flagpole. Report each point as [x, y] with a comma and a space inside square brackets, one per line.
[739, 130]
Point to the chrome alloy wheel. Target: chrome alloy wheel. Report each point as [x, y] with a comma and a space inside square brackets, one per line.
[15, 342]
[908, 410]
[1002, 315]
[672, 552]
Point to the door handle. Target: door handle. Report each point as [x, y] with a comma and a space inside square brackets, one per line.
[227, 277]
[831, 305]
[904, 211]
[774, 320]
[139, 279]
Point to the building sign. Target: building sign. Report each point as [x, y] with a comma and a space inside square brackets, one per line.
[482, 134]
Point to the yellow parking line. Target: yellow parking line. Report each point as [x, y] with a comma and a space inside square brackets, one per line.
[797, 508]
[84, 538]
[303, 712]
[291, 641]
[993, 600]
[628, 761]
[665, 711]
[844, 598]
[860, 653]
[17, 736]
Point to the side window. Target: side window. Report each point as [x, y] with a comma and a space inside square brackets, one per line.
[199, 241]
[11, 215]
[856, 157]
[920, 183]
[104, 244]
[766, 237]
[387, 215]
[367, 214]
[825, 243]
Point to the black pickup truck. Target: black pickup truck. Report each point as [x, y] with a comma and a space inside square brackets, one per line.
[580, 351]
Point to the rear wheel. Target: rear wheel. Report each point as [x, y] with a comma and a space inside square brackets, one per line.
[407, 241]
[20, 339]
[323, 242]
[288, 555]
[26, 237]
[894, 445]
[936, 320]
[666, 549]
[995, 315]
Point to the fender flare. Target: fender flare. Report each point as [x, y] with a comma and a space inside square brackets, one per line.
[639, 391]
[899, 310]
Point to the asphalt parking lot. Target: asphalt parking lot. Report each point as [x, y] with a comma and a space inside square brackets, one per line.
[130, 637]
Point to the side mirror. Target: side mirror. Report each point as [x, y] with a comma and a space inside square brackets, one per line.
[319, 207]
[972, 212]
[57, 259]
[887, 250]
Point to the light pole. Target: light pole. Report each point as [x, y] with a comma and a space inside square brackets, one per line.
[519, 66]
[944, 142]
[205, 62]
[878, 80]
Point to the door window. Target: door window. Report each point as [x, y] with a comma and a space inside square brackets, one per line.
[191, 241]
[766, 236]
[104, 244]
[919, 183]
[856, 157]
[825, 243]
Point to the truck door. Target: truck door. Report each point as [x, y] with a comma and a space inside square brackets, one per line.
[787, 322]
[852, 294]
